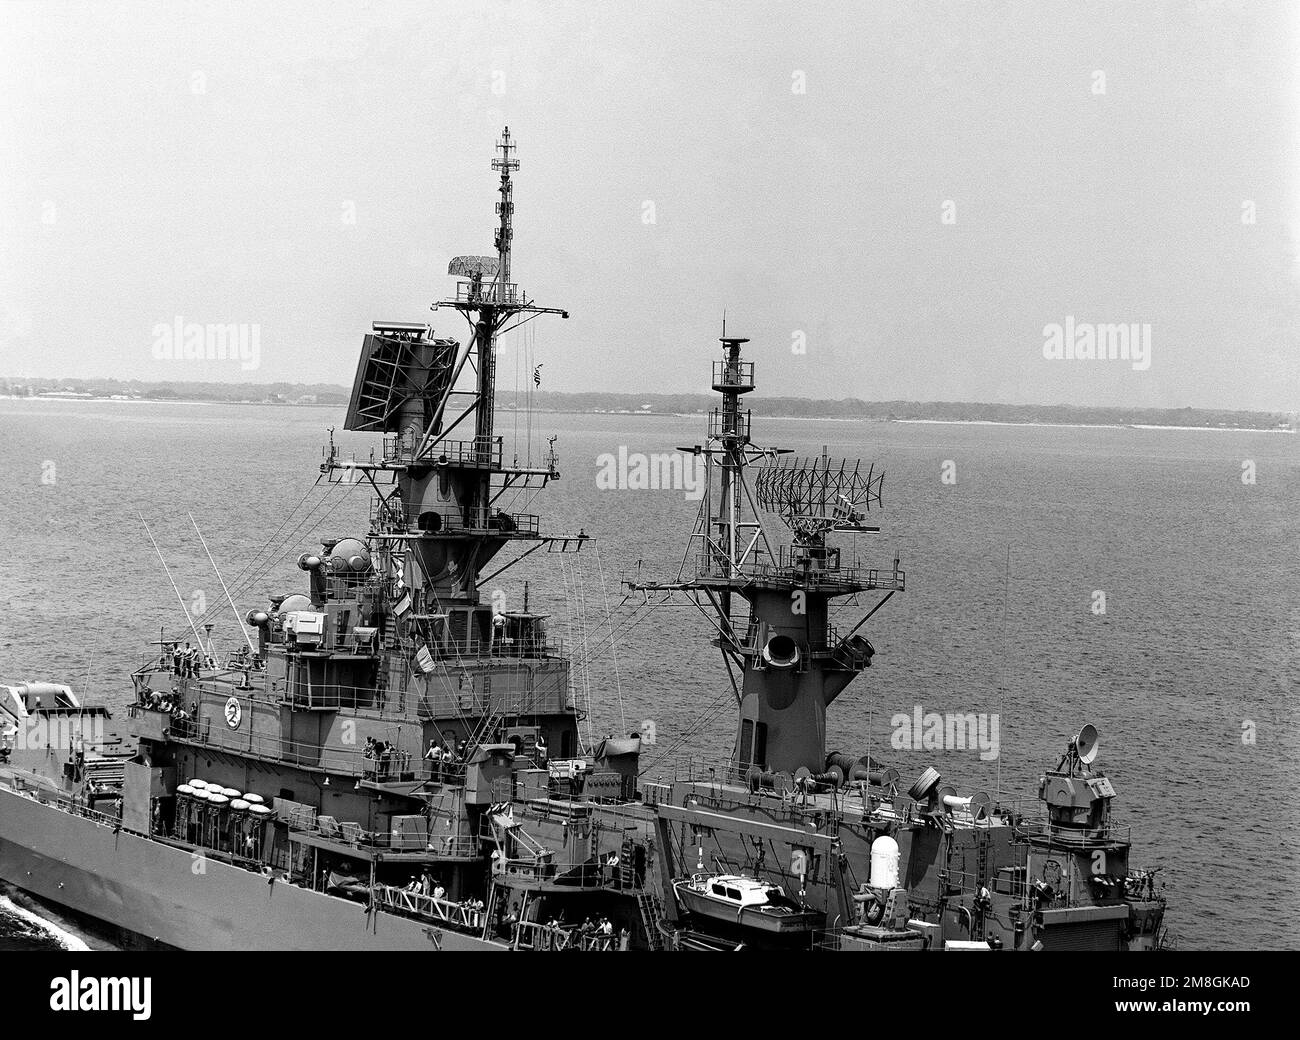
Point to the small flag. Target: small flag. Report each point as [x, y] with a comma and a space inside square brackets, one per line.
[403, 605]
[424, 660]
[397, 590]
[537, 376]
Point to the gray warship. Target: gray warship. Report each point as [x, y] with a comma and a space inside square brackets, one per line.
[392, 760]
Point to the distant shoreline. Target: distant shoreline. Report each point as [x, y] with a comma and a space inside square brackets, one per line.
[65, 399]
[122, 399]
[1098, 425]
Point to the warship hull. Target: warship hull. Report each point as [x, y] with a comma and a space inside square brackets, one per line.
[168, 896]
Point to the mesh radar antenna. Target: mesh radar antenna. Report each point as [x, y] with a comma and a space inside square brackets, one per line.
[817, 496]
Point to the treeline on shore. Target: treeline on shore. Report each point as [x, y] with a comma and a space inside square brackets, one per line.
[658, 404]
[234, 393]
[933, 411]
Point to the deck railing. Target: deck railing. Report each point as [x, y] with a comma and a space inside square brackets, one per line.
[476, 520]
[484, 452]
[1045, 829]
[401, 767]
[487, 291]
[733, 375]
[723, 425]
[532, 935]
[456, 846]
[405, 901]
[787, 567]
[1021, 812]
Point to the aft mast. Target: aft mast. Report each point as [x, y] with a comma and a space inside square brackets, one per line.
[791, 660]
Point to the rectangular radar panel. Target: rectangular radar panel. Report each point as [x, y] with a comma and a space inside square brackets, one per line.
[398, 365]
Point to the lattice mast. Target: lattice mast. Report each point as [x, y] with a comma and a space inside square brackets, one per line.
[506, 207]
[491, 304]
[490, 301]
[734, 532]
[486, 328]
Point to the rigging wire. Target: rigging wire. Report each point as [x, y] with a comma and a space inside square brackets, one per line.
[579, 587]
[613, 647]
[586, 624]
[568, 620]
[253, 560]
[644, 609]
[530, 336]
[288, 543]
[270, 549]
[515, 447]
[711, 712]
[1002, 658]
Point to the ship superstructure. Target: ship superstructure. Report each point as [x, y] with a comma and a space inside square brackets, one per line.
[404, 734]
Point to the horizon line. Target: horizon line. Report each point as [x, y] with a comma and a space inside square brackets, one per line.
[346, 391]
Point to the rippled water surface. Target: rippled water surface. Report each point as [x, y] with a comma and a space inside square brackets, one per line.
[1200, 639]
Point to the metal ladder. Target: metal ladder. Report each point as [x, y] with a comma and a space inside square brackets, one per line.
[488, 725]
[978, 932]
[648, 904]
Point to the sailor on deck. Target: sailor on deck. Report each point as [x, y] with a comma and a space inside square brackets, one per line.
[434, 757]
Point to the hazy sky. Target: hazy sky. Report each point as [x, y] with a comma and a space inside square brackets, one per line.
[792, 162]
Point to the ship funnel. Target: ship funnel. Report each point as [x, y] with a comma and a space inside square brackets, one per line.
[781, 652]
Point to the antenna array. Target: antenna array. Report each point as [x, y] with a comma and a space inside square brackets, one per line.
[816, 495]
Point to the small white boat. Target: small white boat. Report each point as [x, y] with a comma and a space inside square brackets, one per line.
[747, 902]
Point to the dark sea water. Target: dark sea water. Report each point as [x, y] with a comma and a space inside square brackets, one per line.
[1199, 640]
